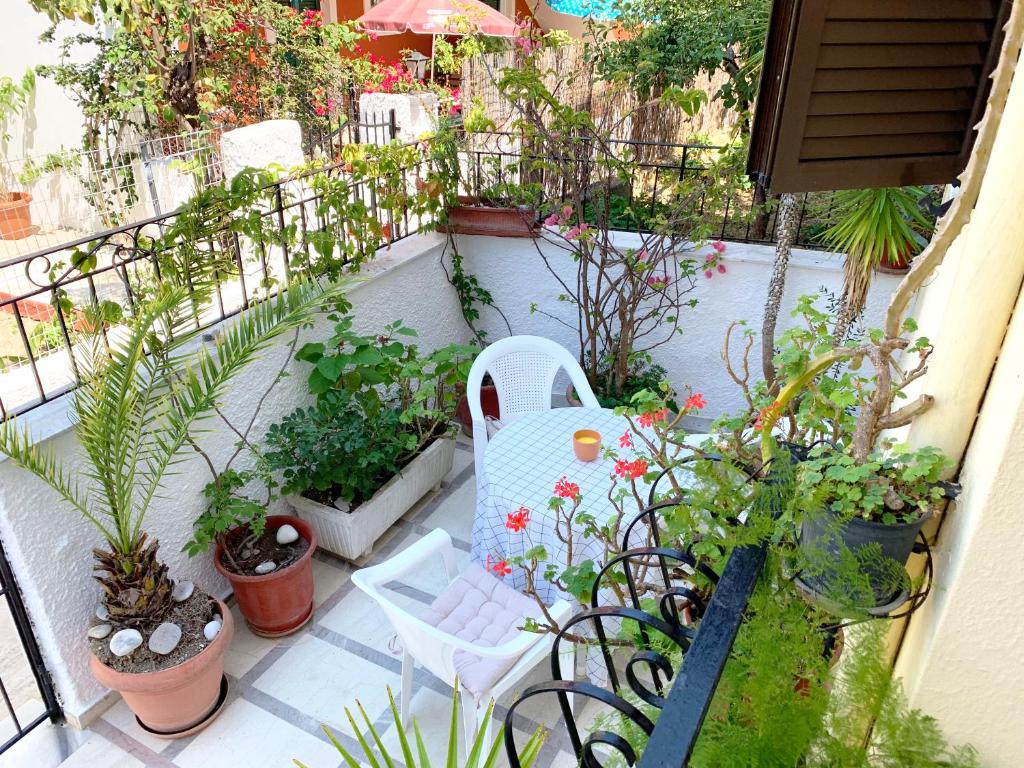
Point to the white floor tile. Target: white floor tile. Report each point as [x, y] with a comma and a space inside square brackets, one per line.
[122, 718]
[358, 617]
[247, 735]
[455, 514]
[328, 578]
[320, 680]
[246, 648]
[97, 751]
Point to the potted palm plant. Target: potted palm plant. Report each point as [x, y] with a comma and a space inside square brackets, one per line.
[160, 643]
[879, 230]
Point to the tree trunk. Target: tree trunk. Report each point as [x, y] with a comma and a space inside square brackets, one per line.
[786, 235]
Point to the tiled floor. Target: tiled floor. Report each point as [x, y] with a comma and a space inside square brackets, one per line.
[281, 691]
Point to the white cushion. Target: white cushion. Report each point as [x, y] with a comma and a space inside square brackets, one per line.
[480, 609]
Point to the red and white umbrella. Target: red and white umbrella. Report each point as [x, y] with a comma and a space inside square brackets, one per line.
[436, 17]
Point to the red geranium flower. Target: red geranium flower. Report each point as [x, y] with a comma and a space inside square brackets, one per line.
[501, 568]
[566, 490]
[645, 419]
[516, 521]
[695, 401]
[631, 469]
[626, 441]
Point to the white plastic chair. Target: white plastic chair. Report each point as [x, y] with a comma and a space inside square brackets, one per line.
[436, 650]
[523, 369]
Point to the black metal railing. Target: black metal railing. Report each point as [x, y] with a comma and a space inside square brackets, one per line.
[42, 293]
[688, 643]
[29, 699]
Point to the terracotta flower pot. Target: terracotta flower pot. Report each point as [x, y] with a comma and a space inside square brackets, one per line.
[488, 402]
[175, 702]
[278, 603]
[468, 218]
[15, 216]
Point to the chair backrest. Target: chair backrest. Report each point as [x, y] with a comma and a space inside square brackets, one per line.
[523, 369]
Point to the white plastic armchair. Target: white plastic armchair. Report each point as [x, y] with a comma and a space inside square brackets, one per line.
[437, 650]
[523, 369]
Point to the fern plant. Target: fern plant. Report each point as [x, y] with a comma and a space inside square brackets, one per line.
[139, 399]
[479, 754]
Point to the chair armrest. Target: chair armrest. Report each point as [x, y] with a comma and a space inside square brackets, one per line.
[409, 559]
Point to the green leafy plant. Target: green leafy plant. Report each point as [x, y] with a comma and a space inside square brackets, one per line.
[228, 509]
[379, 402]
[14, 98]
[413, 750]
[133, 414]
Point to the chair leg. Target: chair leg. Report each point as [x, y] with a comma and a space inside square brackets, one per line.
[408, 665]
[470, 718]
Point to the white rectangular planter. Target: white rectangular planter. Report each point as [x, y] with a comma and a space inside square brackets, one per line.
[353, 534]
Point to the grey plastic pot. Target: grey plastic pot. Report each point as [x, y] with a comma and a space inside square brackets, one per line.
[825, 534]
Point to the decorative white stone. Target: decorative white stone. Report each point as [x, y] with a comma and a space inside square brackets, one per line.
[182, 591]
[287, 534]
[266, 567]
[125, 642]
[211, 629]
[165, 638]
[261, 145]
[99, 631]
[102, 613]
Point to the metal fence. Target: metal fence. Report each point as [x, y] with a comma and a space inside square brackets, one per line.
[496, 161]
[40, 319]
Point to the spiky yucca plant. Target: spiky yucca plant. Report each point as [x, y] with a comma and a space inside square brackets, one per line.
[139, 399]
[478, 754]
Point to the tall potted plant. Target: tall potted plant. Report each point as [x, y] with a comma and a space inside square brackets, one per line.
[133, 415]
[878, 229]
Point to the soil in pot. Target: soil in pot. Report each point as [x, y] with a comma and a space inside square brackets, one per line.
[262, 550]
[191, 615]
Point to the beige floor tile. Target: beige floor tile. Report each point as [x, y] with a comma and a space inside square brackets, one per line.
[122, 718]
[328, 578]
[97, 751]
[246, 735]
[246, 648]
[320, 680]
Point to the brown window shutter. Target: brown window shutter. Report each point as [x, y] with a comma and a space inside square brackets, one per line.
[872, 93]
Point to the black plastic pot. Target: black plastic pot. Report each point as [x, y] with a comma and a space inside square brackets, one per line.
[825, 535]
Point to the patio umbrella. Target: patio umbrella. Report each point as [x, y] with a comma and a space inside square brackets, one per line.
[436, 17]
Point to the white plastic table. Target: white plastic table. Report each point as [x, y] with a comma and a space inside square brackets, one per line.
[522, 463]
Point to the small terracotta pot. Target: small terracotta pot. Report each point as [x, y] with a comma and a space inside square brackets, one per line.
[15, 216]
[279, 603]
[586, 444]
[488, 402]
[175, 702]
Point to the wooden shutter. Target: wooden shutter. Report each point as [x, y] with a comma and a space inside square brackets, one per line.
[872, 93]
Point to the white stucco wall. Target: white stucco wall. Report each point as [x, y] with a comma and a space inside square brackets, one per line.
[49, 547]
[51, 120]
[513, 271]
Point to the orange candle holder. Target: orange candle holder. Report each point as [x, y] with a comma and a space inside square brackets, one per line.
[586, 444]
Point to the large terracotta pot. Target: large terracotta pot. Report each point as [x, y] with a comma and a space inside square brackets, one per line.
[278, 603]
[178, 701]
[15, 216]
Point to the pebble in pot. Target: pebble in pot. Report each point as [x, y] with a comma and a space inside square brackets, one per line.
[266, 567]
[99, 631]
[182, 591]
[211, 630]
[102, 613]
[125, 642]
[287, 534]
[165, 638]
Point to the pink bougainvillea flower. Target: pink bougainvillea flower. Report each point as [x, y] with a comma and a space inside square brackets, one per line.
[658, 281]
[719, 246]
[641, 255]
[372, 35]
[565, 489]
[708, 274]
[695, 401]
[721, 268]
[516, 521]
[566, 211]
[551, 220]
[626, 441]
